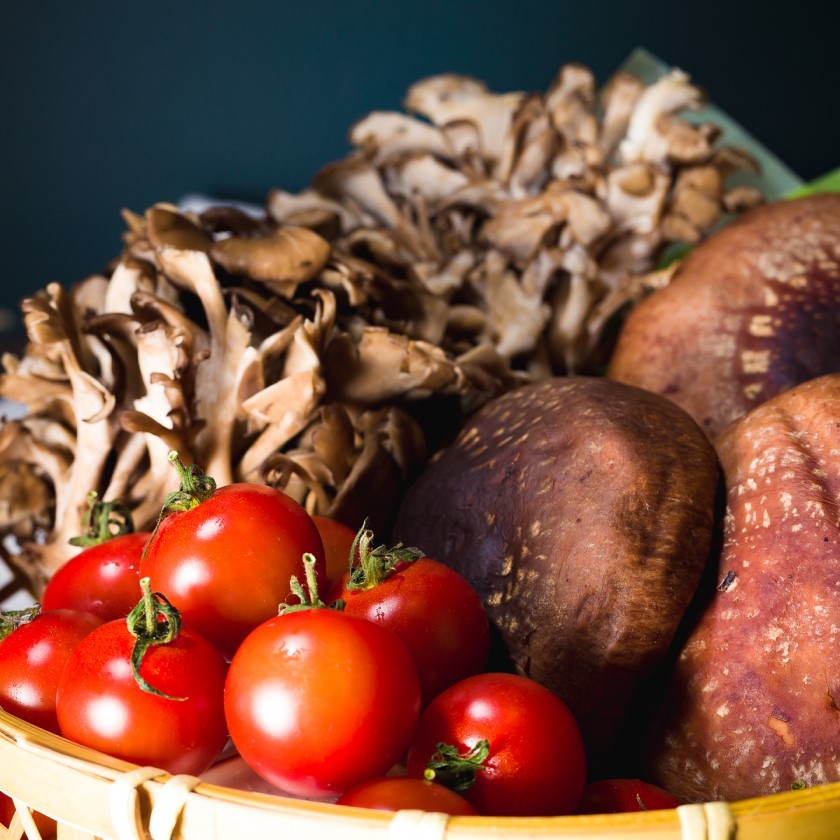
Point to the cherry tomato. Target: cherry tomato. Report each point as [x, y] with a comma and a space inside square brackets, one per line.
[32, 659]
[101, 705]
[47, 826]
[430, 606]
[338, 541]
[395, 793]
[103, 579]
[614, 796]
[226, 563]
[534, 764]
[318, 701]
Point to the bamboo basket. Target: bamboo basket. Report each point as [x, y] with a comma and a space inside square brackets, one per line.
[94, 796]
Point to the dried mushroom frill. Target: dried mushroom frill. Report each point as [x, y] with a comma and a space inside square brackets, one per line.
[329, 346]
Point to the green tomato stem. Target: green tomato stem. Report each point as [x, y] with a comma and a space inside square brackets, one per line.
[103, 521]
[309, 598]
[195, 487]
[376, 564]
[455, 770]
[154, 621]
[12, 619]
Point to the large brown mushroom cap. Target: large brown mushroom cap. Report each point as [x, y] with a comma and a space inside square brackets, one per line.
[751, 312]
[581, 511]
[752, 705]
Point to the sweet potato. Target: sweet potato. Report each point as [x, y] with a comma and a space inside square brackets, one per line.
[581, 511]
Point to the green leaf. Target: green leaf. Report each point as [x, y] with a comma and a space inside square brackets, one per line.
[825, 184]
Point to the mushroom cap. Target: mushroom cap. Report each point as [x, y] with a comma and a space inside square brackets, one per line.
[751, 312]
[288, 256]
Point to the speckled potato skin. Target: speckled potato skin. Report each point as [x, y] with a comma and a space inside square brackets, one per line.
[755, 701]
[751, 312]
[581, 511]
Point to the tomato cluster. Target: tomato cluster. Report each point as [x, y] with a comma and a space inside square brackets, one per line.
[338, 669]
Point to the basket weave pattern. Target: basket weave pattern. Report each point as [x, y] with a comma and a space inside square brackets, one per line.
[95, 796]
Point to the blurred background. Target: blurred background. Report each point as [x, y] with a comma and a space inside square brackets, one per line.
[110, 106]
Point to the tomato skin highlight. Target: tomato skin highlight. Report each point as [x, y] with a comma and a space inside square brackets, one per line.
[395, 793]
[101, 706]
[536, 765]
[318, 701]
[618, 796]
[436, 613]
[103, 579]
[32, 659]
[226, 564]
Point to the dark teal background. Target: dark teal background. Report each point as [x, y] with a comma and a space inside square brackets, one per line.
[110, 105]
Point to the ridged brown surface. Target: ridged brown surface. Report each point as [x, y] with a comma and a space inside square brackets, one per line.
[581, 511]
[753, 311]
[755, 702]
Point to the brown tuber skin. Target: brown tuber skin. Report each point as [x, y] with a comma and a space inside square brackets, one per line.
[581, 510]
[754, 703]
[753, 311]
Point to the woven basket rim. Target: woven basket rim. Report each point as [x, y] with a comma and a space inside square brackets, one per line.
[812, 802]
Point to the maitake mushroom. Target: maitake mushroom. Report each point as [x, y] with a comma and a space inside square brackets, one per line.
[331, 345]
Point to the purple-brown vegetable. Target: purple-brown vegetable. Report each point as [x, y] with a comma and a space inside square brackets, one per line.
[581, 511]
[754, 704]
[753, 311]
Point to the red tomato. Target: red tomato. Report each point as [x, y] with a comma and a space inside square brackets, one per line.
[614, 796]
[226, 563]
[395, 793]
[103, 579]
[535, 765]
[100, 704]
[318, 701]
[338, 543]
[46, 826]
[32, 658]
[430, 606]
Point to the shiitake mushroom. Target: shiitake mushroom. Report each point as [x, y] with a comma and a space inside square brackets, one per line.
[751, 312]
[582, 511]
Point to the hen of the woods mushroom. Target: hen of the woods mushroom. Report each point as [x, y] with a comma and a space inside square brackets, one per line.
[476, 242]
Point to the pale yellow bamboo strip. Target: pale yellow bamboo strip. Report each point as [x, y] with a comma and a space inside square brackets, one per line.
[692, 822]
[720, 821]
[169, 804]
[15, 829]
[75, 785]
[128, 816]
[56, 787]
[418, 825]
[70, 832]
[25, 816]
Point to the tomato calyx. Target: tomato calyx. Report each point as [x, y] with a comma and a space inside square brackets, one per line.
[103, 521]
[10, 620]
[195, 488]
[309, 598]
[456, 770]
[154, 621]
[376, 564]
